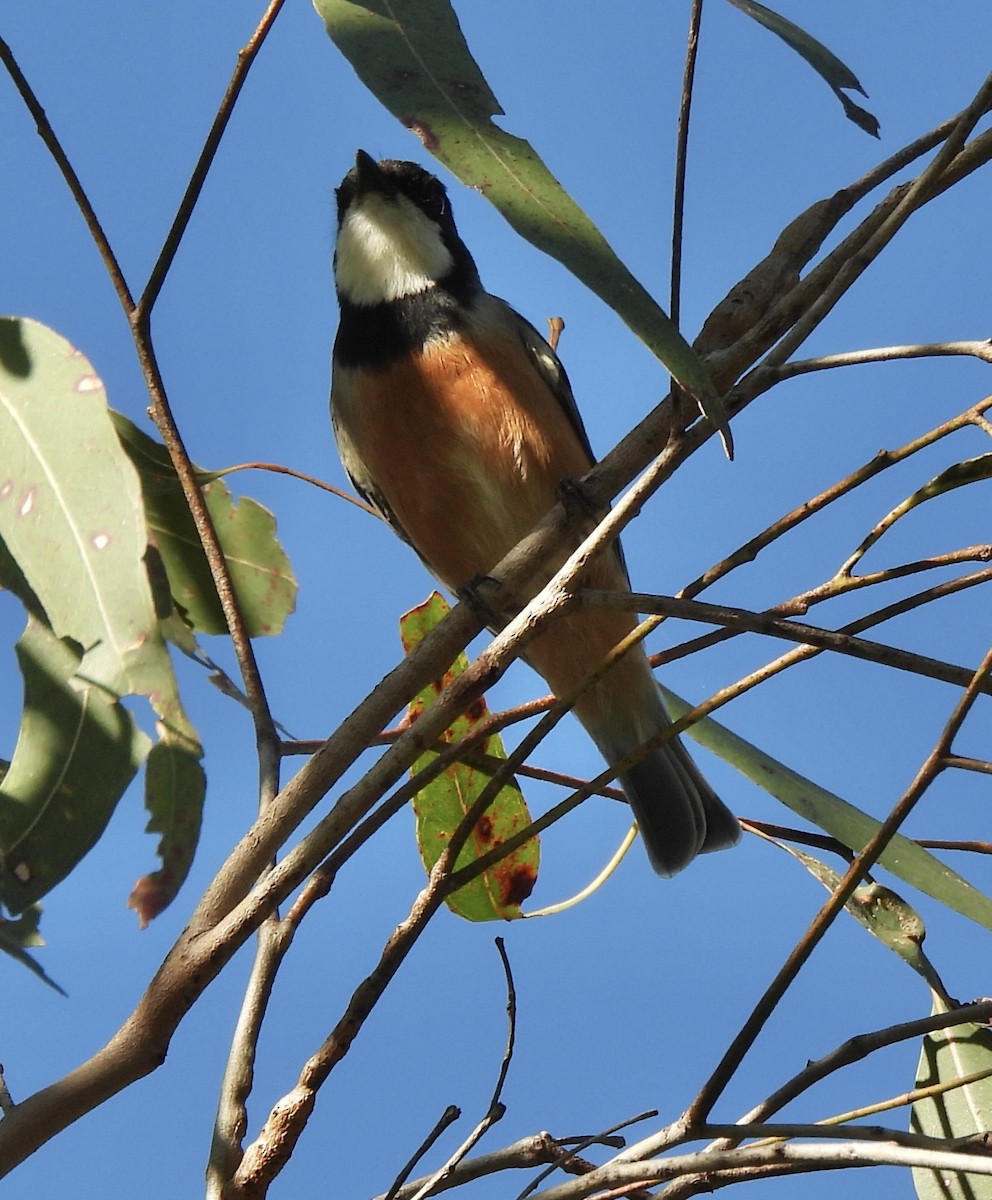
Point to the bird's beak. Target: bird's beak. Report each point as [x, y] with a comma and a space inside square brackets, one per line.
[368, 176]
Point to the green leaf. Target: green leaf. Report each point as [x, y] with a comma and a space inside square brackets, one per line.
[412, 56]
[15, 938]
[261, 572]
[904, 858]
[882, 912]
[440, 806]
[72, 521]
[827, 65]
[77, 750]
[961, 1052]
[68, 505]
[174, 791]
[972, 470]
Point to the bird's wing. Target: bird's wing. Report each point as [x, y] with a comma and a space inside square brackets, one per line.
[549, 367]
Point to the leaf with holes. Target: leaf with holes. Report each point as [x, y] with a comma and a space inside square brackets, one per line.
[72, 524]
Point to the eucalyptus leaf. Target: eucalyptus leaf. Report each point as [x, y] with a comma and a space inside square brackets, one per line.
[77, 750]
[262, 575]
[854, 828]
[20, 935]
[963, 1052]
[824, 62]
[412, 56]
[440, 805]
[72, 524]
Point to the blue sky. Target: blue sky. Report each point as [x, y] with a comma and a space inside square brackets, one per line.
[627, 1002]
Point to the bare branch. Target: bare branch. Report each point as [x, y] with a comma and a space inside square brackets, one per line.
[496, 1108]
[447, 1118]
[860, 1047]
[163, 263]
[794, 631]
[681, 157]
[829, 1156]
[854, 358]
[48, 136]
[931, 767]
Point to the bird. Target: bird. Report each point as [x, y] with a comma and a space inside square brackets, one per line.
[455, 420]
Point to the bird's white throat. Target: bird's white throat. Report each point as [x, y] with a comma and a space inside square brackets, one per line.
[388, 249]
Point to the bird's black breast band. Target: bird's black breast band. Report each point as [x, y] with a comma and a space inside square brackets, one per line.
[376, 335]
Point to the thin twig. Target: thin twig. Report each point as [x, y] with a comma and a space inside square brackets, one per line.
[496, 1108]
[905, 1099]
[528, 1152]
[220, 570]
[597, 1139]
[970, 847]
[231, 1120]
[865, 860]
[827, 1155]
[767, 1132]
[981, 765]
[447, 1119]
[280, 469]
[773, 626]
[681, 159]
[853, 358]
[802, 837]
[47, 135]
[170, 246]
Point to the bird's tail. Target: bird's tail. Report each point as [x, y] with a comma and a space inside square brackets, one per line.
[678, 813]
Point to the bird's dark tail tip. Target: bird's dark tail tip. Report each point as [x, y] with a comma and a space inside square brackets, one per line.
[678, 813]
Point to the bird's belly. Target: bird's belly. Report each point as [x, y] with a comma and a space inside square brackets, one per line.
[468, 456]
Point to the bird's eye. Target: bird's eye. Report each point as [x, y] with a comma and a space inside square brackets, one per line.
[434, 203]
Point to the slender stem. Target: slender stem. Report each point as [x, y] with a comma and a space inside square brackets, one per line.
[203, 164]
[497, 1108]
[54, 146]
[447, 1118]
[744, 620]
[858, 1048]
[711, 1091]
[161, 413]
[918, 192]
[855, 358]
[931, 1153]
[681, 158]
